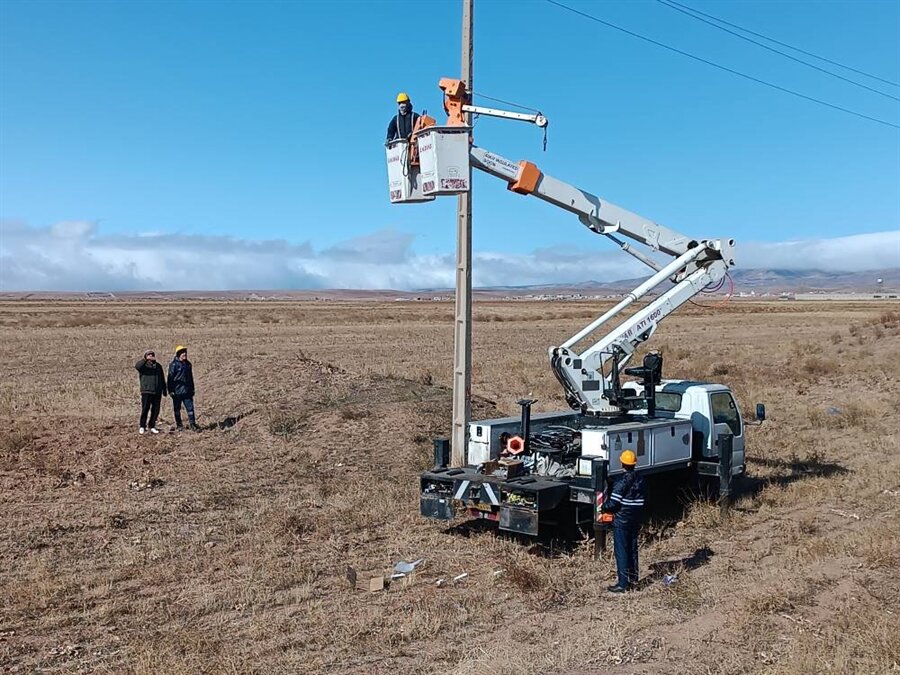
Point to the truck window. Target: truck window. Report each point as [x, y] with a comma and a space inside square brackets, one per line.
[725, 410]
[668, 402]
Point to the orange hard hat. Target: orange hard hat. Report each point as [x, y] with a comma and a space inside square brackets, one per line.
[628, 458]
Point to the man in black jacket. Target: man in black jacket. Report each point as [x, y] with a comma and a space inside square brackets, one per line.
[403, 123]
[153, 388]
[626, 503]
[181, 386]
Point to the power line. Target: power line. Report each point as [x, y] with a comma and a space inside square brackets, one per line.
[509, 103]
[690, 12]
[785, 44]
[720, 67]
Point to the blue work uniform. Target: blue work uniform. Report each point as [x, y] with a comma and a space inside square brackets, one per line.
[401, 126]
[181, 387]
[626, 501]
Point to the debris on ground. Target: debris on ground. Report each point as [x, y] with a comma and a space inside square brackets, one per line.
[118, 522]
[365, 581]
[404, 567]
[145, 484]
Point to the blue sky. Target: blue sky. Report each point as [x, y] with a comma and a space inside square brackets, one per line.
[143, 127]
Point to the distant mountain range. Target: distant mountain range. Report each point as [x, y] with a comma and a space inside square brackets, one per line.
[745, 280]
[756, 281]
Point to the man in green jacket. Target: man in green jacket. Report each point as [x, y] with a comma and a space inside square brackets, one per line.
[153, 388]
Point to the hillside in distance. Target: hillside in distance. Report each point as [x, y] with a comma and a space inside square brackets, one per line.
[756, 281]
[759, 281]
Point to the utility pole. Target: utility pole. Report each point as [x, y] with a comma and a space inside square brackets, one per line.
[462, 326]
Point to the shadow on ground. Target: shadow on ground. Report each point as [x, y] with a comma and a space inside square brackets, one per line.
[669, 498]
[227, 422]
[669, 501]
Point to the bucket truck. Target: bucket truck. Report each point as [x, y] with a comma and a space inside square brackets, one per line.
[548, 471]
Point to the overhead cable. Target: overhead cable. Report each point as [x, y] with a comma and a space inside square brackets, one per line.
[500, 100]
[690, 13]
[721, 67]
[785, 44]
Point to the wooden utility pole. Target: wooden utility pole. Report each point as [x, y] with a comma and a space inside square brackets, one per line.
[462, 326]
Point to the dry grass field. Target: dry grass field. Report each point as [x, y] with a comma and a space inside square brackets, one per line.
[225, 551]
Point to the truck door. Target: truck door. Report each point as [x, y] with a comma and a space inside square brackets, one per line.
[725, 411]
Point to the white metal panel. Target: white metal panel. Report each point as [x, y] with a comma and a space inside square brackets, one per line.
[404, 182]
[444, 160]
[479, 452]
[593, 443]
[671, 444]
[620, 441]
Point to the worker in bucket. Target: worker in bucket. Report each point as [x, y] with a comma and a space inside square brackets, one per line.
[181, 387]
[153, 388]
[626, 503]
[403, 123]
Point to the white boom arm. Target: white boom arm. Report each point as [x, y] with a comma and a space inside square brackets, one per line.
[537, 119]
[586, 375]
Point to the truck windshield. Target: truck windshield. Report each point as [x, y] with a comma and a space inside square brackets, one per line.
[725, 411]
[668, 402]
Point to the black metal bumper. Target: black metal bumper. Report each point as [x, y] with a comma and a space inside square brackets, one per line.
[516, 504]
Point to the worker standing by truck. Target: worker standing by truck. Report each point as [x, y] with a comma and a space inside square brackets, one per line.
[626, 503]
[403, 123]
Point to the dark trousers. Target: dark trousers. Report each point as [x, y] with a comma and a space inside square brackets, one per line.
[150, 404]
[188, 406]
[625, 539]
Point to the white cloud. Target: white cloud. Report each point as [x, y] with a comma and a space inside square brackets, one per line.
[855, 253]
[76, 256]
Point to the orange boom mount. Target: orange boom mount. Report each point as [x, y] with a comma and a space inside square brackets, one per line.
[455, 97]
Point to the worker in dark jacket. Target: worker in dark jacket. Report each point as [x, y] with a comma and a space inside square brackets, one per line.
[153, 388]
[626, 503]
[403, 123]
[181, 387]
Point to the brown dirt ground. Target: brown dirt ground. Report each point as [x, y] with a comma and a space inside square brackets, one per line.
[225, 551]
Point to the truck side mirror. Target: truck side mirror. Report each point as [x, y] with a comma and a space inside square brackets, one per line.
[761, 412]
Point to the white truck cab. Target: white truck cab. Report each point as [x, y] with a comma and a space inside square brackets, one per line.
[707, 406]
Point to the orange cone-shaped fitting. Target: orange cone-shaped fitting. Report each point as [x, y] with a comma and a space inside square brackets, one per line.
[515, 445]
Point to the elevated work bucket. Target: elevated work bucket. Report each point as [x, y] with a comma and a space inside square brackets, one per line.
[444, 160]
[404, 180]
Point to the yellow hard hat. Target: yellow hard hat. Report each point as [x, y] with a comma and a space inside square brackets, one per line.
[180, 348]
[402, 97]
[628, 458]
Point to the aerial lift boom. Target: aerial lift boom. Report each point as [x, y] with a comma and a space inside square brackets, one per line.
[590, 377]
[589, 380]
